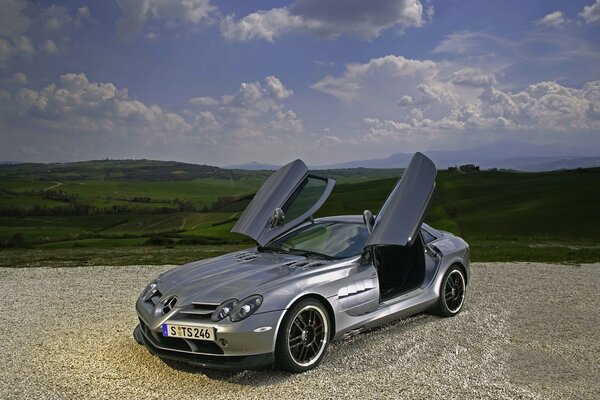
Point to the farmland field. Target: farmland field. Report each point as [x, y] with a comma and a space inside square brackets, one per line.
[145, 205]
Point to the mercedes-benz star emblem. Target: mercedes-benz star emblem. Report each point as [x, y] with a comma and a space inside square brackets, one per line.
[168, 304]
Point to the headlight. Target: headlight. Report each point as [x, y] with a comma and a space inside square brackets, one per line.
[224, 310]
[151, 289]
[246, 307]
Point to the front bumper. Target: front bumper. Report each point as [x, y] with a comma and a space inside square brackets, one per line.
[249, 343]
[204, 360]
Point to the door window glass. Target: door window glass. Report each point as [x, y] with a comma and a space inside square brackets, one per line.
[304, 197]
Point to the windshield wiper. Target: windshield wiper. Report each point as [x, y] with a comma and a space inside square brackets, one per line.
[309, 253]
[269, 249]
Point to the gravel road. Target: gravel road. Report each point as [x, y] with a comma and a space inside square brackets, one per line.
[527, 331]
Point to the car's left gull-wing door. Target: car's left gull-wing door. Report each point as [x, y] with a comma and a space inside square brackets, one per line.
[399, 219]
[286, 199]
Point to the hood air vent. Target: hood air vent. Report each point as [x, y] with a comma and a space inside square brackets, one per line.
[245, 257]
[304, 263]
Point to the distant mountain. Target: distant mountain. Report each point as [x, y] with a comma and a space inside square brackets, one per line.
[254, 166]
[505, 154]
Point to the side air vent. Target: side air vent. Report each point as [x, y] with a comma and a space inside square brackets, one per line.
[245, 257]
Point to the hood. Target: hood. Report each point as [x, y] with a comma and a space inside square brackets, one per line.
[236, 275]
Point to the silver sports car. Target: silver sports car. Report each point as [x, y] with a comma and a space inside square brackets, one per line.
[308, 281]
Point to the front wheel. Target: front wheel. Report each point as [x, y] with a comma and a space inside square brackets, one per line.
[452, 293]
[303, 337]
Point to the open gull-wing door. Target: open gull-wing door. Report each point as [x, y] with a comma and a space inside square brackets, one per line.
[401, 215]
[285, 200]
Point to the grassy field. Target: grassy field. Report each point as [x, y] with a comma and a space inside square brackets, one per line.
[505, 216]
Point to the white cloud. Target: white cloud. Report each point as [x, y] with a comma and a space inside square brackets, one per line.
[26, 26]
[277, 89]
[49, 47]
[151, 36]
[591, 13]
[444, 97]
[473, 77]
[20, 78]
[137, 12]
[378, 72]
[267, 25]
[327, 141]
[326, 18]
[15, 46]
[55, 18]
[203, 101]
[97, 115]
[468, 43]
[84, 12]
[554, 19]
[87, 108]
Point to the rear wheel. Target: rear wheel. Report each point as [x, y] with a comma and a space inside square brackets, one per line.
[303, 337]
[452, 293]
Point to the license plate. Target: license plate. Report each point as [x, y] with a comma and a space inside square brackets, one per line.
[188, 332]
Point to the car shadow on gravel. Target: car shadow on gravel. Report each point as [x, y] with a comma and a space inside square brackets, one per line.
[357, 344]
[257, 377]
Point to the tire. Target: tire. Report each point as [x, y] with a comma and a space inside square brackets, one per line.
[452, 293]
[303, 336]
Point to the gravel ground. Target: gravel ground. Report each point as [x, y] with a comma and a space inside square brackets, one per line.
[527, 331]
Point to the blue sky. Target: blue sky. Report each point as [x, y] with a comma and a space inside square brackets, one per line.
[327, 81]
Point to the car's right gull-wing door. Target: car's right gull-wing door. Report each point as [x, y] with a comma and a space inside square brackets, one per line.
[286, 199]
[400, 217]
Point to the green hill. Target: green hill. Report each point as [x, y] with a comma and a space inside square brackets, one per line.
[491, 204]
[550, 216]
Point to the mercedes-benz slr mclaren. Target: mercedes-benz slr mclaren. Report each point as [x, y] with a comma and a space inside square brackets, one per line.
[307, 281]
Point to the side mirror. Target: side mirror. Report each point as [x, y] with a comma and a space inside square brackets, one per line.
[278, 217]
[369, 220]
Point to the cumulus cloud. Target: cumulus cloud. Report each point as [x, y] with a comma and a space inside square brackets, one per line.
[544, 105]
[448, 97]
[25, 26]
[554, 19]
[473, 77]
[277, 89]
[137, 12]
[84, 112]
[591, 13]
[49, 47]
[377, 72]
[54, 18]
[20, 78]
[84, 12]
[76, 104]
[327, 19]
[15, 46]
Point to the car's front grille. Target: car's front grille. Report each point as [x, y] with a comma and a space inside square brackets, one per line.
[191, 346]
[197, 310]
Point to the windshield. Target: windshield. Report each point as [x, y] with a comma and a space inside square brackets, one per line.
[327, 239]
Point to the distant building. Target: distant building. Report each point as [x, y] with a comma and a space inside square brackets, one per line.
[464, 168]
